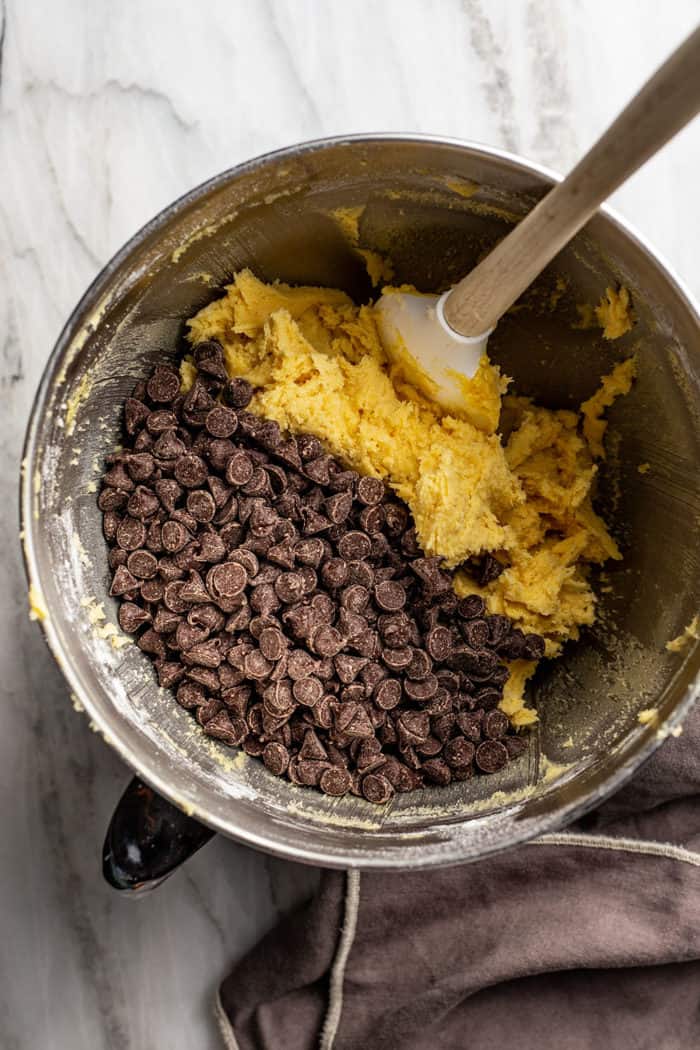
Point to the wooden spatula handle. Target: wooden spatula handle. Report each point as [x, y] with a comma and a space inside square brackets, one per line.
[664, 105]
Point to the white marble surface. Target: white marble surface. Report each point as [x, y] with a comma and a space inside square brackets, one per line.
[107, 112]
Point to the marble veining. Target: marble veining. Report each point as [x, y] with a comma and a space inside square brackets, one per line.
[108, 112]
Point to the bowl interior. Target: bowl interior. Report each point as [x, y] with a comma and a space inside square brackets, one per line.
[433, 208]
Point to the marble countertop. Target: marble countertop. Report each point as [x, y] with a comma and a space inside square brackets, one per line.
[108, 112]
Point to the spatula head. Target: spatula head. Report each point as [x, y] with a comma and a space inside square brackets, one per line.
[433, 356]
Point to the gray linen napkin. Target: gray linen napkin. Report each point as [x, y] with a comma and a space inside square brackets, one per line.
[588, 938]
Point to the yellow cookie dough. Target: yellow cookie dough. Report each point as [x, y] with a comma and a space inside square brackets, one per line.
[318, 364]
[613, 313]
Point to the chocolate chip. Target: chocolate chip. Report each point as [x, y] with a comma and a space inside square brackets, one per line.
[277, 702]
[272, 643]
[163, 386]
[437, 771]
[471, 607]
[131, 617]
[459, 752]
[140, 466]
[409, 543]
[174, 536]
[495, 725]
[533, 647]
[370, 490]
[227, 580]
[247, 559]
[239, 468]
[206, 616]
[514, 745]
[307, 691]
[289, 587]
[387, 694]
[201, 505]
[143, 442]
[152, 590]
[429, 748]
[312, 749]
[117, 557]
[390, 596]
[354, 546]
[276, 758]
[238, 393]
[376, 788]
[326, 641]
[309, 773]
[204, 654]
[109, 501]
[335, 781]
[439, 643]
[258, 485]
[475, 633]
[142, 564]
[135, 415]
[309, 552]
[288, 452]
[161, 422]
[334, 573]
[300, 664]
[421, 665]
[209, 359]
[131, 534]
[359, 725]
[491, 756]
[219, 490]
[413, 726]
[318, 470]
[343, 481]
[168, 492]
[205, 677]
[142, 503]
[487, 569]
[395, 629]
[264, 600]
[221, 422]
[211, 546]
[487, 697]
[313, 522]
[190, 471]
[193, 589]
[338, 507]
[362, 573]
[123, 582]
[348, 667]
[512, 646]
[187, 635]
[256, 665]
[309, 446]
[190, 695]
[397, 659]
[422, 689]
[151, 642]
[372, 520]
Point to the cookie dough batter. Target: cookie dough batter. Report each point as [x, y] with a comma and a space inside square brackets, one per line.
[613, 313]
[319, 366]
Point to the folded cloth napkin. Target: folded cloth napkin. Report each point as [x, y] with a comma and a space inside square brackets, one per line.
[588, 938]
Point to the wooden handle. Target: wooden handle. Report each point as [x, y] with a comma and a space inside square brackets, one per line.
[664, 105]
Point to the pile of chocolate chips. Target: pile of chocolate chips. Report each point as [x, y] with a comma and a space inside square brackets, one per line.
[286, 601]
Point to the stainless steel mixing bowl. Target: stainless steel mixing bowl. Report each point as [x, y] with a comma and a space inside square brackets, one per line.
[433, 207]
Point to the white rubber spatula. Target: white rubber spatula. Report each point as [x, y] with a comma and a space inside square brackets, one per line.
[447, 335]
